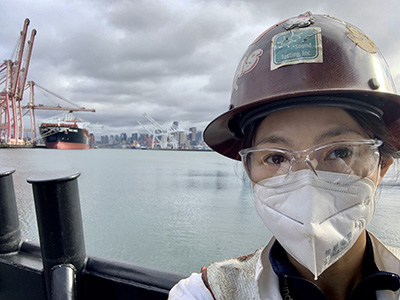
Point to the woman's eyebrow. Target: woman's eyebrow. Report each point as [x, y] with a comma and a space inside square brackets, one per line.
[273, 139]
[337, 131]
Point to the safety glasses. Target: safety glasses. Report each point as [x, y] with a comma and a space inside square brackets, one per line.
[353, 157]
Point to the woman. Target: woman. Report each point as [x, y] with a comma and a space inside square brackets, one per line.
[315, 119]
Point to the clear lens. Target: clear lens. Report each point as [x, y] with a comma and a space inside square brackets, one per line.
[358, 158]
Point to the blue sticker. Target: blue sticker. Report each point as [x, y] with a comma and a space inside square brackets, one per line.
[296, 46]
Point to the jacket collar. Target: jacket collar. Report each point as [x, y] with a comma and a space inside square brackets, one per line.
[385, 259]
[269, 289]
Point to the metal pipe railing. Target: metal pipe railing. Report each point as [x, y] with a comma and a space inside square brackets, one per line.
[59, 268]
[63, 283]
[10, 233]
[60, 230]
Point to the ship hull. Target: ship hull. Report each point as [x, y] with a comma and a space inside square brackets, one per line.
[65, 137]
[66, 145]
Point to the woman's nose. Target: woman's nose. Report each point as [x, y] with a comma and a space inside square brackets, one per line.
[305, 163]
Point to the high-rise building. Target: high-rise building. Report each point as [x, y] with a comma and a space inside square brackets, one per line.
[193, 136]
[182, 139]
[192, 133]
[143, 137]
[104, 139]
[199, 136]
[123, 137]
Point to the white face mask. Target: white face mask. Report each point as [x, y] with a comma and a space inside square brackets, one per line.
[316, 220]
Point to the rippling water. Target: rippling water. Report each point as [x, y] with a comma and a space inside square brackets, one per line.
[169, 210]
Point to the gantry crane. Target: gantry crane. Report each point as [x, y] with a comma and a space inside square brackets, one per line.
[31, 107]
[13, 75]
[163, 135]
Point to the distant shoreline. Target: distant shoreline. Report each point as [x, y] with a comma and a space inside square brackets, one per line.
[7, 146]
[208, 150]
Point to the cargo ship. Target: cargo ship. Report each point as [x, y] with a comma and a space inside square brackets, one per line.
[66, 132]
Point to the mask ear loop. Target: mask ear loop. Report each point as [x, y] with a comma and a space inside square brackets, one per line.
[377, 186]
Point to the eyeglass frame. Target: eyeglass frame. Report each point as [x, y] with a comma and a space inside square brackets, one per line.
[295, 153]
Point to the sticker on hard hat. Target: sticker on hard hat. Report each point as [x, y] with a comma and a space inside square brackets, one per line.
[303, 20]
[247, 64]
[361, 40]
[296, 46]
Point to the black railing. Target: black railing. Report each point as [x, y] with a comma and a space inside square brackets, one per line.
[59, 269]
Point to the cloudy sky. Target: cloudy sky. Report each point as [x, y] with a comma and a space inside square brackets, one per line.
[171, 59]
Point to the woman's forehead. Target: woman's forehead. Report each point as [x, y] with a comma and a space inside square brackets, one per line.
[307, 124]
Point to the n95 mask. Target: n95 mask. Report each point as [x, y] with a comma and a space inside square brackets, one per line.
[316, 219]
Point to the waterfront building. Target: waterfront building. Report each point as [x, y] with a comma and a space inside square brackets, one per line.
[123, 137]
[182, 139]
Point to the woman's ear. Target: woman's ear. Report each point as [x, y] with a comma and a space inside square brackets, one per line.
[385, 165]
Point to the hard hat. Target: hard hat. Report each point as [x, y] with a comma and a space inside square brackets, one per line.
[309, 60]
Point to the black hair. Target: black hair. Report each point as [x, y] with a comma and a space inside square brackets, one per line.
[375, 128]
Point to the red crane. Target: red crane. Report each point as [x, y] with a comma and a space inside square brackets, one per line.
[32, 106]
[13, 75]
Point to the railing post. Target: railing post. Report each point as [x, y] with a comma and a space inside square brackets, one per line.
[60, 227]
[10, 233]
[63, 284]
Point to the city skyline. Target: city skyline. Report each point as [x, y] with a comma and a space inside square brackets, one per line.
[179, 139]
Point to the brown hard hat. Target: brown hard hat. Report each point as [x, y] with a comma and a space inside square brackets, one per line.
[309, 60]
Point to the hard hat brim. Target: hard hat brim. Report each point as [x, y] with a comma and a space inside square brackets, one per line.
[225, 136]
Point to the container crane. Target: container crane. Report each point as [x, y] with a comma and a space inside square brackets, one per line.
[13, 75]
[152, 134]
[31, 107]
[164, 135]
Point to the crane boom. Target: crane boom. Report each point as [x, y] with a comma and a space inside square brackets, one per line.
[58, 96]
[58, 108]
[32, 105]
[166, 133]
[154, 122]
[27, 63]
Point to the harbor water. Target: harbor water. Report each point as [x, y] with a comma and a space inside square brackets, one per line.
[169, 210]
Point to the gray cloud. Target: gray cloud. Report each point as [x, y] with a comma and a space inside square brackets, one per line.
[172, 59]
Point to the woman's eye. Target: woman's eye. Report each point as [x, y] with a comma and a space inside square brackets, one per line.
[340, 153]
[275, 159]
